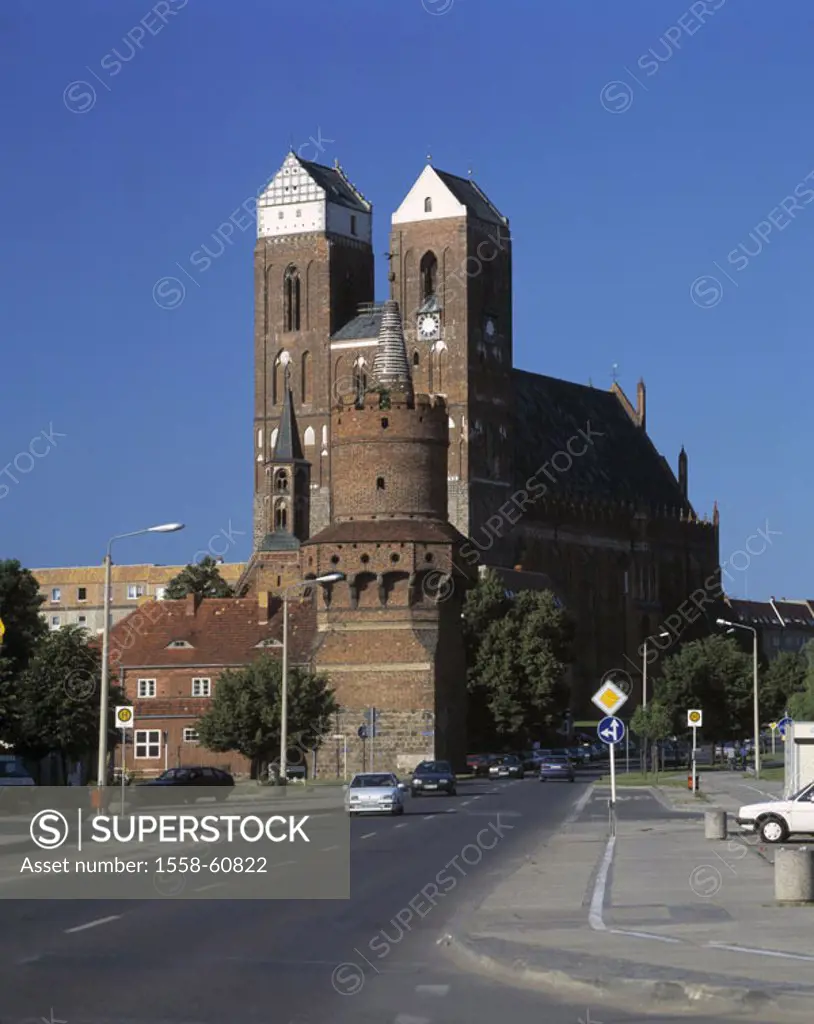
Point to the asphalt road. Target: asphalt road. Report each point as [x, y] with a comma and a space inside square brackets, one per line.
[370, 959]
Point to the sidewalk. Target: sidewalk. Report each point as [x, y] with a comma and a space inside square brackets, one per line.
[656, 917]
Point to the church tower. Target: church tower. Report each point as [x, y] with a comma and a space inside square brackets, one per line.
[313, 268]
[450, 256]
[390, 631]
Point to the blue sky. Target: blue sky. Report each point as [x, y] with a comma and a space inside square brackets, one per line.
[648, 155]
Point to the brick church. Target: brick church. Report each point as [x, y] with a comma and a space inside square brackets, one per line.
[396, 443]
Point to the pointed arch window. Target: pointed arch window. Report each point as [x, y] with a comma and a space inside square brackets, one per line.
[439, 365]
[274, 434]
[278, 377]
[429, 275]
[281, 516]
[281, 480]
[306, 377]
[309, 438]
[416, 359]
[360, 375]
[291, 299]
[428, 205]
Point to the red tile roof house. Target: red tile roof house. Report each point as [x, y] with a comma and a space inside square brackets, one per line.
[168, 655]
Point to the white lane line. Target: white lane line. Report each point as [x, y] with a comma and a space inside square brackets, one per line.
[644, 935]
[367, 835]
[325, 849]
[598, 898]
[404, 824]
[282, 864]
[428, 816]
[450, 810]
[93, 924]
[476, 797]
[432, 990]
[579, 806]
[205, 888]
[466, 803]
[760, 952]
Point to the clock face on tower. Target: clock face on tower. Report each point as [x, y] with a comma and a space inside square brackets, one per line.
[429, 326]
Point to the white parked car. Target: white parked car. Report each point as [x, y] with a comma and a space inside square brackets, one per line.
[776, 820]
[375, 793]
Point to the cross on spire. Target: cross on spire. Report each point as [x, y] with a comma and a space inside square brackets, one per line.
[615, 373]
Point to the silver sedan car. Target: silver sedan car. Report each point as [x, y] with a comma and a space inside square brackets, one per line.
[375, 793]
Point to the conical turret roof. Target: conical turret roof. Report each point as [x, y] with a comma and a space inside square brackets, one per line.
[391, 368]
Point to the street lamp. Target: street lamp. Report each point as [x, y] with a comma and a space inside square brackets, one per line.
[330, 577]
[661, 634]
[753, 631]
[101, 770]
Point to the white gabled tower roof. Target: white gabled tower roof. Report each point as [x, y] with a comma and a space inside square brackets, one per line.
[450, 196]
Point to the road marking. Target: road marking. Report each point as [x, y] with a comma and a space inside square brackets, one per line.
[428, 816]
[93, 924]
[476, 797]
[367, 835]
[466, 803]
[286, 863]
[404, 824]
[598, 898]
[644, 935]
[450, 810]
[432, 990]
[760, 952]
[325, 849]
[214, 885]
[579, 806]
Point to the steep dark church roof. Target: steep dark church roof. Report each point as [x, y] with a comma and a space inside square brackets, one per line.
[469, 195]
[337, 187]
[621, 465]
[365, 325]
[288, 447]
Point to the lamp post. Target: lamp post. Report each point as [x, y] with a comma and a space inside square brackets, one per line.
[330, 577]
[101, 769]
[751, 629]
[662, 633]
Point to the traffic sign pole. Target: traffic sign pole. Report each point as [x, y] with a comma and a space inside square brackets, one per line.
[613, 786]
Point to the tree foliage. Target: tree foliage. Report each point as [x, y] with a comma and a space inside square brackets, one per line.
[56, 699]
[244, 713]
[783, 677]
[203, 580]
[713, 674]
[801, 703]
[518, 650]
[654, 722]
[20, 601]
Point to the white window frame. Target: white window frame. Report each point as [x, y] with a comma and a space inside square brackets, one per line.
[56, 595]
[146, 745]
[151, 685]
[200, 681]
[190, 735]
[54, 623]
[139, 591]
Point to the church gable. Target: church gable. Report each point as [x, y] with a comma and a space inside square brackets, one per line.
[429, 199]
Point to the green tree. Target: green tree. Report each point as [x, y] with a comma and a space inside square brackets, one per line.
[801, 704]
[654, 722]
[203, 580]
[56, 709]
[244, 713]
[713, 674]
[20, 601]
[784, 676]
[518, 650]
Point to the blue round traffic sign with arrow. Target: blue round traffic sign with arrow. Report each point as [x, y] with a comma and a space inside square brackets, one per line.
[611, 730]
[783, 725]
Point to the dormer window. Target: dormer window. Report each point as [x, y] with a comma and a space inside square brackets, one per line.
[428, 205]
[180, 643]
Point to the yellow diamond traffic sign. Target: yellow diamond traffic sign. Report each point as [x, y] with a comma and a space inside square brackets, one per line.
[609, 698]
[2, 630]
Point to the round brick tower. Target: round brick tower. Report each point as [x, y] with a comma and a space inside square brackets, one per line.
[390, 630]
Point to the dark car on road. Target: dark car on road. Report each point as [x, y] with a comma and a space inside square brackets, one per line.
[557, 768]
[433, 777]
[509, 766]
[184, 785]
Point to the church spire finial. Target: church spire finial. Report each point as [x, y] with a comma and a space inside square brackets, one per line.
[391, 368]
[429, 155]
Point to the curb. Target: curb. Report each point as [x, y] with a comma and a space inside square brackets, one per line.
[661, 993]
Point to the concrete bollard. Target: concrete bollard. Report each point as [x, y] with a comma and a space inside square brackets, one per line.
[715, 824]
[794, 875]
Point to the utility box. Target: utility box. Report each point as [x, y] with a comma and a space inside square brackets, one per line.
[799, 753]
